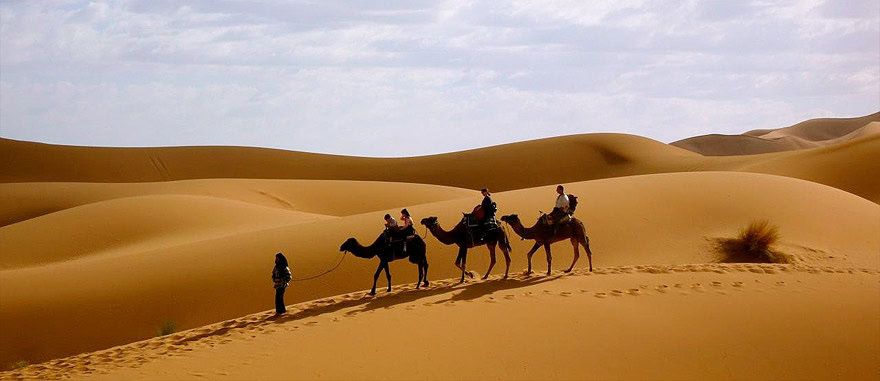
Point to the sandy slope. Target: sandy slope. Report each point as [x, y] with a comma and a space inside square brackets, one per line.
[695, 322]
[808, 134]
[21, 201]
[507, 167]
[96, 301]
[504, 167]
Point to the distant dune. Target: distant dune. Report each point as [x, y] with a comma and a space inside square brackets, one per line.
[505, 167]
[808, 134]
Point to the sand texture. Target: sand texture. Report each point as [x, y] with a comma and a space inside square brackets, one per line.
[100, 247]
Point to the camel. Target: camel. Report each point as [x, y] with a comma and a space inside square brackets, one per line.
[415, 251]
[543, 235]
[459, 236]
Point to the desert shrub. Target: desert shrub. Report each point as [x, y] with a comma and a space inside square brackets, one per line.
[19, 364]
[166, 328]
[754, 244]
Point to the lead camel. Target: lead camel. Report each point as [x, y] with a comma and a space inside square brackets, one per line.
[459, 236]
[543, 235]
[415, 252]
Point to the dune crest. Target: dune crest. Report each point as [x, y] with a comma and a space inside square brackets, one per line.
[812, 133]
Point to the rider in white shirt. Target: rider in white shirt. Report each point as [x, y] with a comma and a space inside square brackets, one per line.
[561, 200]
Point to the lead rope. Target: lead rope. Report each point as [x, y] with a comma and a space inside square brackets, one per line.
[323, 273]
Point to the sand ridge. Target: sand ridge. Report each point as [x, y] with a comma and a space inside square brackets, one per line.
[812, 133]
[101, 246]
[180, 355]
[650, 219]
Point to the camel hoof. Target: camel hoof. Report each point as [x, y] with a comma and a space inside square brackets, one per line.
[425, 284]
[567, 271]
[470, 274]
[372, 293]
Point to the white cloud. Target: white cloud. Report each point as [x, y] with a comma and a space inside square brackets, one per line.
[410, 78]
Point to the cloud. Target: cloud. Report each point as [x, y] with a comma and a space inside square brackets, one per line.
[405, 78]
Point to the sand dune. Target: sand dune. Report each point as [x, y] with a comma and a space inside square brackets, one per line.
[676, 322]
[101, 246]
[808, 134]
[506, 167]
[103, 300]
[21, 201]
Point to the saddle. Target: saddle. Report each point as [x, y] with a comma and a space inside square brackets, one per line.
[478, 229]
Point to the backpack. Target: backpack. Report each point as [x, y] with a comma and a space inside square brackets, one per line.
[572, 203]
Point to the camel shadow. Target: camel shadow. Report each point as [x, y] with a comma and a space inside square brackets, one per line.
[490, 287]
[388, 301]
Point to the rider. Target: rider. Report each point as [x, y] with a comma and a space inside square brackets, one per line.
[390, 228]
[488, 206]
[561, 209]
[407, 222]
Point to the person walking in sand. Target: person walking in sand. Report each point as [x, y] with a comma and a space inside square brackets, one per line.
[281, 276]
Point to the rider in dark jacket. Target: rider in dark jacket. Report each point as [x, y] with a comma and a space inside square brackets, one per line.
[487, 205]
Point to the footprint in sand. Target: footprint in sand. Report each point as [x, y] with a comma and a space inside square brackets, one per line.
[509, 296]
[310, 323]
[616, 292]
[565, 293]
[662, 288]
[716, 283]
[737, 284]
[600, 295]
[634, 291]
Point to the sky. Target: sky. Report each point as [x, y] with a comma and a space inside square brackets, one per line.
[401, 78]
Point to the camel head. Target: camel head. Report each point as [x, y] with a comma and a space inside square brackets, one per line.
[348, 245]
[513, 218]
[429, 221]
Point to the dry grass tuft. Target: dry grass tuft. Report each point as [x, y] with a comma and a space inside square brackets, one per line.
[754, 244]
[167, 328]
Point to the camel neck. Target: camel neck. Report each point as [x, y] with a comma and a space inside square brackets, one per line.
[445, 237]
[522, 231]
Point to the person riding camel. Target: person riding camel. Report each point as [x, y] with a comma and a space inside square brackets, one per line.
[390, 222]
[390, 228]
[487, 206]
[561, 209]
[407, 228]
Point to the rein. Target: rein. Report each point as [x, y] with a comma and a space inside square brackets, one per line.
[323, 273]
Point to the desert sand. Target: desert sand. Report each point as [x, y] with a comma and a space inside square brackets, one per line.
[99, 247]
[808, 134]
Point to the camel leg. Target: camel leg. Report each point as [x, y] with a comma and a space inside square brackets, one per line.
[425, 279]
[577, 254]
[376, 277]
[529, 256]
[460, 261]
[388, 275]
[506, 259]
[586, 244]
[491, 247]
[549, 257]
[419, 282]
